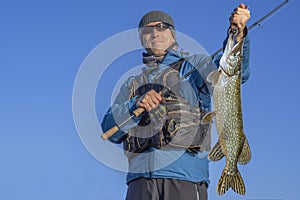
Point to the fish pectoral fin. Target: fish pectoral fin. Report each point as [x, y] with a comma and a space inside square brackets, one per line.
[213, 77]
[216, 153]
[208, 117]
[245, 155]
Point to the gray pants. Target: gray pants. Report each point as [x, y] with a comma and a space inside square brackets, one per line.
[165, 189]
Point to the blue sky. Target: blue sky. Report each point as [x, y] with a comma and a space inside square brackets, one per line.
[43, 46]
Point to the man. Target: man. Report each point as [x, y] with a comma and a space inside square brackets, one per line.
[166, 143]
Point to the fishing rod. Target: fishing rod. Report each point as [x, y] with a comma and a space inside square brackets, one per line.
[140, 110]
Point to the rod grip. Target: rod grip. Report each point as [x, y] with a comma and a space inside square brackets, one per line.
[138, 111]
[109, 133]
[114, 129]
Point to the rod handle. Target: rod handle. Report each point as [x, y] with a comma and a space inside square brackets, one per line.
[138, 111]
[114, 129]
[109, 133]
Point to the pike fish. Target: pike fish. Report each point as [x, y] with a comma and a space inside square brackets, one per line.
[232, 142]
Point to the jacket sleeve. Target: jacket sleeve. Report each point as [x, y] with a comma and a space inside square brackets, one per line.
[198, 79]
[121, 110]
[246, 59]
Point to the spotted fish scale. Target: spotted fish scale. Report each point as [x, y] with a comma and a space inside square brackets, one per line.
[232, 142]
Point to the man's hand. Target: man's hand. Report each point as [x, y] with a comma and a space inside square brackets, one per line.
[238, 20]
[150, 100]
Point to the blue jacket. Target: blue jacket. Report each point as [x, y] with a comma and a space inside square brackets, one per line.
[175, 163]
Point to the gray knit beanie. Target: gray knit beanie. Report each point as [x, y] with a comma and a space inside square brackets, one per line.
[157, 16]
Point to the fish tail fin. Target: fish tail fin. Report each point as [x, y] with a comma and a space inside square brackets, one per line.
[231, 181]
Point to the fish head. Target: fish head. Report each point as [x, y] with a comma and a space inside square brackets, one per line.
[231, 60]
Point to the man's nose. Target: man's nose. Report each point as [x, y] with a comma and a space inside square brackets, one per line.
[155, 32]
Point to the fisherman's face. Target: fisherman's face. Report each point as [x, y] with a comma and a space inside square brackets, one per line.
[157, 37]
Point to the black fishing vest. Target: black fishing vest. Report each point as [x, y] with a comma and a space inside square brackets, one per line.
[173, 124]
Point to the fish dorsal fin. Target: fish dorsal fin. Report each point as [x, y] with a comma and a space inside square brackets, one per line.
[213, 77]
